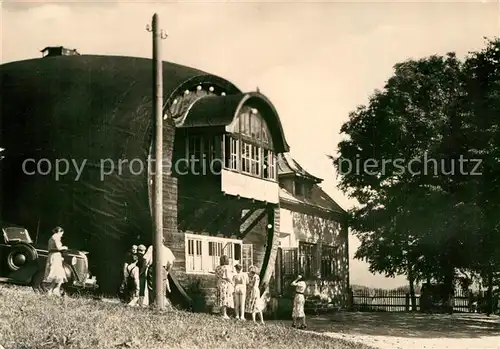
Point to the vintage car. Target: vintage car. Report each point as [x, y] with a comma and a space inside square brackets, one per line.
[22, 263]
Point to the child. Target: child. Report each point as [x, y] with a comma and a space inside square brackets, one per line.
[240, 281]
[298, 302]
[255, 303]
[260, 305]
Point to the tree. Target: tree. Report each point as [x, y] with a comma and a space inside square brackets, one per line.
[482, 100]
[422, 214]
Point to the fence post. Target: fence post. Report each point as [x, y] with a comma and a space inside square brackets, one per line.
[471, 301]
[407, 302]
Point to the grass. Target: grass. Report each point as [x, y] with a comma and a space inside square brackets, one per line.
[28, 320]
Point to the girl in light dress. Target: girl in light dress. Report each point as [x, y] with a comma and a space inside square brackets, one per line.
[299, 302]
[240, 281]
[255, 303]
[55, 274]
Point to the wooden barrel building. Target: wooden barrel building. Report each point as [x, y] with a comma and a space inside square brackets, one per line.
[90, 118]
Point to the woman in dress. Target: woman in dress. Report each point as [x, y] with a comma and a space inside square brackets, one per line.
[255, 303]
[240, 281]
[223, 272]
[55, 274]
[299, 302]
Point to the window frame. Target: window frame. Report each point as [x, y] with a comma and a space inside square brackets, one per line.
[307, 262]
[256, 156]
[329, 258]
[207, 149]
[236, 151]
[209, 262]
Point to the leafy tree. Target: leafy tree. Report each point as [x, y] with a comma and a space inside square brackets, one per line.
[427, 217]
[482, 101]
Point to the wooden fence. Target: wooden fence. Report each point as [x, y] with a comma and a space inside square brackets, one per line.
[397, 301]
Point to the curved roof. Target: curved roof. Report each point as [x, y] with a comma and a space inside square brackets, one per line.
[222, 110]
[91, 112]
[212, 111]
[86, 94]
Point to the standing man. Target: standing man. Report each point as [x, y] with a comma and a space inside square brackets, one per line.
[167, 262]
[141, 262]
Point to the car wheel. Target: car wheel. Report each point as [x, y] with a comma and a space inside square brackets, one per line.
[21, 255]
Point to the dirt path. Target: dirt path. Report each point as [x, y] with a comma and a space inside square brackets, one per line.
[387, 342]
[411, 330]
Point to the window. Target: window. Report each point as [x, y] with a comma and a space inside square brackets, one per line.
[203, 152]
[250, 159]
[298, 188]
[307, 253]
[209, 148]
[266, 139]
[255, 161]
[289, 262]
[251, 144]
[308, 190]
[194, 148]
[269, 164]
[247, 256]
[194, 257]
[194, 153]
[245, 123]
[255, 126]
[328, 261]
[203, 253]
[231, 152]
[246, 157]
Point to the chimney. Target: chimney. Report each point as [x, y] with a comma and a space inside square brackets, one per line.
[58, 51]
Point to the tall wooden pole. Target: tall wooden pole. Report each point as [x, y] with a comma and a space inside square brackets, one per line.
[158, 178]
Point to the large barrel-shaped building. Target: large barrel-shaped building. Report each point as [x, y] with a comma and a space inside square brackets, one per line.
[77, 133]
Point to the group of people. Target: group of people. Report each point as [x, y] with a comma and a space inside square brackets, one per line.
[239, 291]
[139, 275]
[235, 289]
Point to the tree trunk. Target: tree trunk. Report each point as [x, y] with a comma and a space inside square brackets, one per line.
[411, 281]
[449, 279]
[489, 293]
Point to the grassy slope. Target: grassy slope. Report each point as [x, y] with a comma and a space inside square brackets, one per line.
[28, 320]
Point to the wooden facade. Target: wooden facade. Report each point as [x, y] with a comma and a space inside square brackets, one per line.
[313, 236]
[224, 155]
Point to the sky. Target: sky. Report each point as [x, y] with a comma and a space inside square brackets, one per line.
[316, 61]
